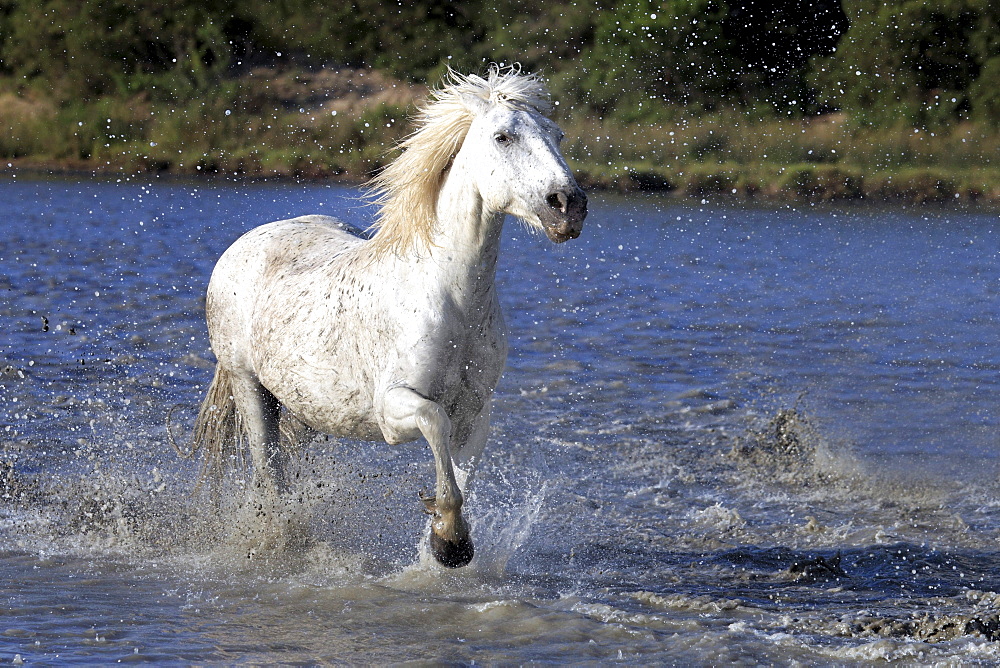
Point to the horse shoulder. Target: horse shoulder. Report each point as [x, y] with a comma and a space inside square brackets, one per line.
[455, 362]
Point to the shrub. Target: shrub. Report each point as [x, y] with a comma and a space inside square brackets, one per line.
[821, 182]
[917, 185]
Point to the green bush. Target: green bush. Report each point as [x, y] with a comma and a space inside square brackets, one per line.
[916, 185]
[923, 63]
[821, 182]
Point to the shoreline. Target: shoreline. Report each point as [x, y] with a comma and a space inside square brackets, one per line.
[808, 183]
[788, 184]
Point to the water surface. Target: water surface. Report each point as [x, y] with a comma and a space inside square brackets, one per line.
[725, 435]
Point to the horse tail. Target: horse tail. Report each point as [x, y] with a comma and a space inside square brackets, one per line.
[218, 429]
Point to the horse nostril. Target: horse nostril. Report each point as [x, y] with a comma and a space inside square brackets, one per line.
[557, 201]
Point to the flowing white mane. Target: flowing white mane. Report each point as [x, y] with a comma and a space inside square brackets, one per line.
[407, 189]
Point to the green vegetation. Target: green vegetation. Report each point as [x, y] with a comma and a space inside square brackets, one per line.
[791, 99]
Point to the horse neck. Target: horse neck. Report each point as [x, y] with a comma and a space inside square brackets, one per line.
[462, 258]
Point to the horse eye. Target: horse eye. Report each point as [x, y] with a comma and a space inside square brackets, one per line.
[502, 138]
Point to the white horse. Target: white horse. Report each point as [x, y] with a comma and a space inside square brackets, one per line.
[397, 336]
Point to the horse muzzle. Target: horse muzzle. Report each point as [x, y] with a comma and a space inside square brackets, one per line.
[564, 215]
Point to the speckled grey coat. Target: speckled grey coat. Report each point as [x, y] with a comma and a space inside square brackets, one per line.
[390, 341]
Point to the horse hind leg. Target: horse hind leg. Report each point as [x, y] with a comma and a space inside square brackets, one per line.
[465, 455]
[238, 410]
[260, 414]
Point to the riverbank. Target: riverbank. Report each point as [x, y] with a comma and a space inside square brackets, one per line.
[797, 183]
[806, 182]
[342, 124]
[816, 159]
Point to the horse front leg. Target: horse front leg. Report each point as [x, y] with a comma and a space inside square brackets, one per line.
[408, 415]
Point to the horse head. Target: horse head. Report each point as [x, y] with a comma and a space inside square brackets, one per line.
[520, 170]
[494, 130]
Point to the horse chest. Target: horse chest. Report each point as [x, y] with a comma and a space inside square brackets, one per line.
[455, 349]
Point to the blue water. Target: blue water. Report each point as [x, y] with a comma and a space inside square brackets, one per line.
[637, 503]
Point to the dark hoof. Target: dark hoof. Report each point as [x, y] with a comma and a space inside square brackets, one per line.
[452, 555]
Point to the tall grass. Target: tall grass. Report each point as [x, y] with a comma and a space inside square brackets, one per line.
[246, 130]
[223, 133]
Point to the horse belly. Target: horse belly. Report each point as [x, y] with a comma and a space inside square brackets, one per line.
[346, 413]
[333, 408]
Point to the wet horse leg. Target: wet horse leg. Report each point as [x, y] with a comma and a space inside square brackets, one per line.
[466, 455]
[409, 415]
[261, 412]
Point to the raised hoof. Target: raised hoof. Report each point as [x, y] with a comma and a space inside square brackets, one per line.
[452, 555]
